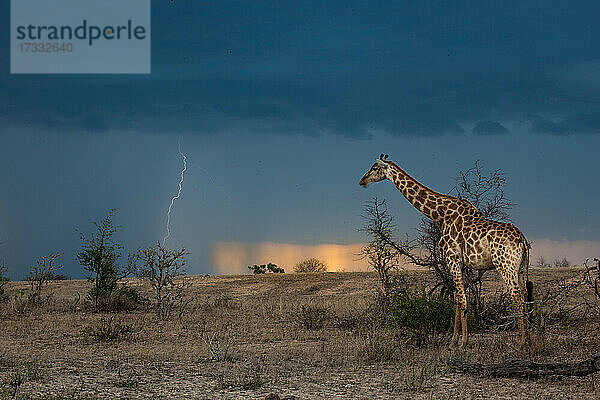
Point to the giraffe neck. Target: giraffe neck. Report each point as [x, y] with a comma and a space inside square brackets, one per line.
[428, 202]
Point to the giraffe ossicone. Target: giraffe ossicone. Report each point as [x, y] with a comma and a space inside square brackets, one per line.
[468, 239]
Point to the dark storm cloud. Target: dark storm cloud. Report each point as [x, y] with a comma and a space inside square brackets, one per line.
[587, 123]
[339, 67]
[581, 123]
[489, 128]
[544, 126]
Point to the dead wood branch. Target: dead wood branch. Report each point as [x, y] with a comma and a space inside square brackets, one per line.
[527, 368]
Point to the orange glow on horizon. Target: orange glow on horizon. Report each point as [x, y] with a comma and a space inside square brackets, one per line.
[235, 257]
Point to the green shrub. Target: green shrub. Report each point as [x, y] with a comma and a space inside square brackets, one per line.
[419, 314]
[122, 299]
[264, 268]
[99, 256]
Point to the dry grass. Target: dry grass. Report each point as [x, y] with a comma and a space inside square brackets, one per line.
[305, 335]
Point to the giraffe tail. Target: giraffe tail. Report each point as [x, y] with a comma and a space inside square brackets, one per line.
[528, 284]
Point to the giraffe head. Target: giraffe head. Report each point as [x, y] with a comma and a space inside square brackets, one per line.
[378, 171]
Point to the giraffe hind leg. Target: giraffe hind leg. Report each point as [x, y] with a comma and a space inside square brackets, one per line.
[518, 296]
[526, 290]
[523, 291]
[515, 284]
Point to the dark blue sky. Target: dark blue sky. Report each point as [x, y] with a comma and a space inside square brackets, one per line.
[285, 105]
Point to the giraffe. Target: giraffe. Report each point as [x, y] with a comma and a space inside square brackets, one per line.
[468, 239]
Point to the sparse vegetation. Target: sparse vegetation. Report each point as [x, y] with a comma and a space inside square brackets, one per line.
[379, 344]
[555, 305]
[224, 301]
[244, 337]
[16, 379]
[311, 316]
[42, 272]
[126, 379]
[541, 262]
[249, 381]
[218, 342]
[418, 377]
[109, 329]
[3, 280]
[163, 268]
[311, 265]
[381, 252]
[21, 373]
[561, 263]
[121, 299]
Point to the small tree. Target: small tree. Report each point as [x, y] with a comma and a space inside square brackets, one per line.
[381, 253]
[541, 262]
[562, 263]
[99, 255]
[161, 267]
[264, 268]
[42, 272]
[311, 265]
[258, 269]
[274, 269]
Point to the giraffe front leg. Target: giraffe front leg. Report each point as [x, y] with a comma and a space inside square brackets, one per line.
[460, 302]
[456, 334]
[463, 318]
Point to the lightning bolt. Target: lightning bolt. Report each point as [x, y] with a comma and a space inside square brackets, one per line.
[219, 188]
[178, 193]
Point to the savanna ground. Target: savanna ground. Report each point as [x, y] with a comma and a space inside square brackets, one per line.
[244, 337]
